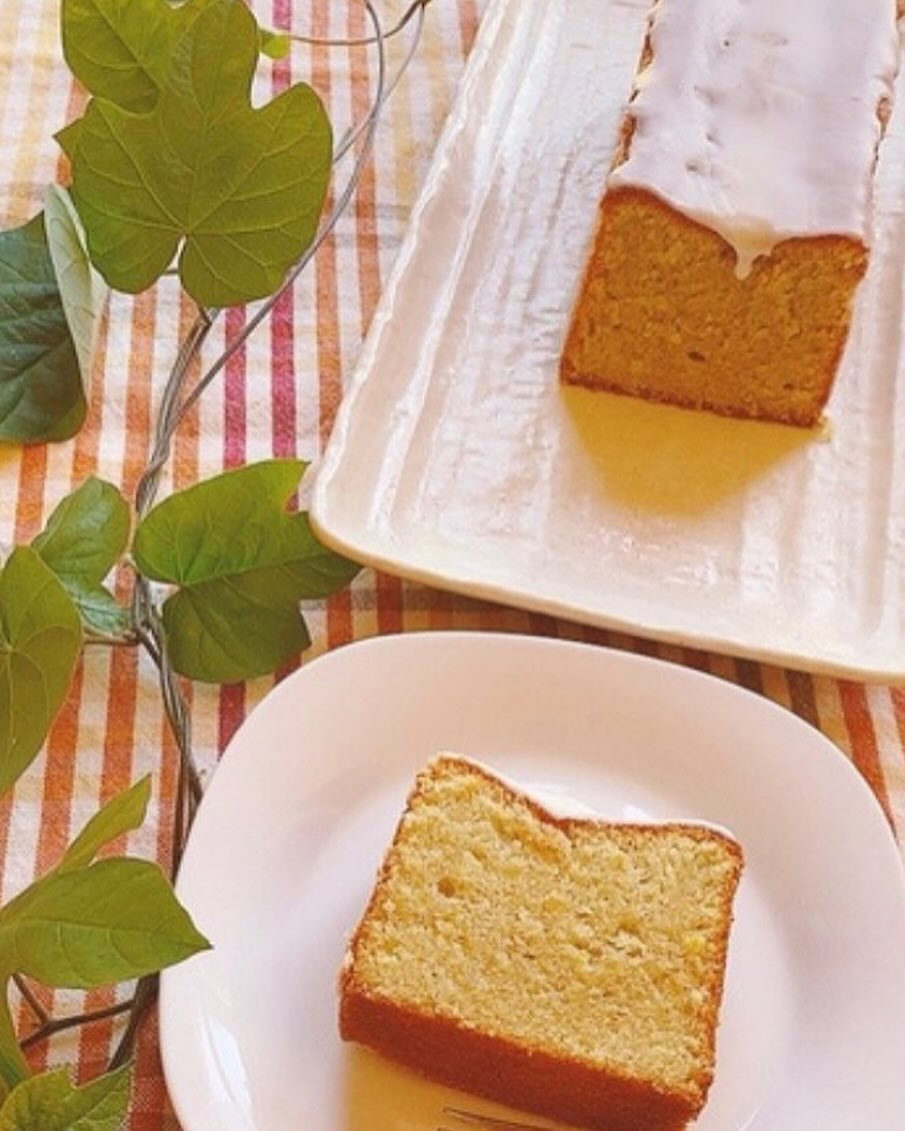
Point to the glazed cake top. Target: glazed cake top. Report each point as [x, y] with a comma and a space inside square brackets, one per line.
[759, 118]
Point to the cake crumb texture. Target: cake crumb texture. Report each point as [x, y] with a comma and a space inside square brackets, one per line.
[570, 967]
[661, 315]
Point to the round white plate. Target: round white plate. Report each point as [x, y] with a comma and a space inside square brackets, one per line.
[296, 819]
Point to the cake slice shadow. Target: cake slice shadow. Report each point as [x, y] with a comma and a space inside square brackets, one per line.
[657, 458]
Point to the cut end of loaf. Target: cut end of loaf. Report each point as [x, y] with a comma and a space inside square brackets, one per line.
[566, 966]
[661, 315]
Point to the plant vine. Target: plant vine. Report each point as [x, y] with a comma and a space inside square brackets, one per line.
[153, 627]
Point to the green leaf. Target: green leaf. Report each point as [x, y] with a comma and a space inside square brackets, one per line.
[100, 611]
[114, 920]
[40, 639]
[13, 1065]
[275, 44]
[235, 191]
[86, 534]
[232, 523]
[67, 138]
[51, 1102]
[121, 49]
[41, 394]
[82, 290]
[124, 812]
[243, 563]
[84, 538]
[224, 632]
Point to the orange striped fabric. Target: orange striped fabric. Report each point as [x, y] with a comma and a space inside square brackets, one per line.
[278, 396]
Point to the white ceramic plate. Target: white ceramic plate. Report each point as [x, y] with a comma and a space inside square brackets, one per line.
[458, 460]
[304, 802]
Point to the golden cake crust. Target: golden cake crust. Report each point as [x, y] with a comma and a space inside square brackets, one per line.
[528, 1079]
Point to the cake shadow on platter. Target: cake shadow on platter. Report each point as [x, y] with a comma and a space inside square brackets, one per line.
[660, 459]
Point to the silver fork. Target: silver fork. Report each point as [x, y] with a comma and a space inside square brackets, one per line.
[476, 1119]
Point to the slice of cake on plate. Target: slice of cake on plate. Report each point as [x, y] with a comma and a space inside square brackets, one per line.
[561, 964]
[736, 220]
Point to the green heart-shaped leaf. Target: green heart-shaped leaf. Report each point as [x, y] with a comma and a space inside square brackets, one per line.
[227, 631]
[40, 640]
[120, 49]
[114, 920]
[120, 815]
[82, 541]
[236, 191]
[41, 393]
[86, 534]
[51, 1102]
[243, 563]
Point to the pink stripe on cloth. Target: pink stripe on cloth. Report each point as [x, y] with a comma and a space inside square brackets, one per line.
[234, 410]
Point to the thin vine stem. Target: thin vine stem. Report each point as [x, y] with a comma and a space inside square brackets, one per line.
[365, 41]
[31, 1000]
[59, 1024]
[145, 995]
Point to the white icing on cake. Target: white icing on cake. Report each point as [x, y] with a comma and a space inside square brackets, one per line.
[758, 118]
[562, 806]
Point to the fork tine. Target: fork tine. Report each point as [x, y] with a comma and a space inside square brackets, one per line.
[490, 1121]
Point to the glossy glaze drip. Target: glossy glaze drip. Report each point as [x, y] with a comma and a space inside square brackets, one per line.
[759, 118]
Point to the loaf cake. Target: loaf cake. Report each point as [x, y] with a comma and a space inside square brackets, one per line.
[735, 222]
[563, 965]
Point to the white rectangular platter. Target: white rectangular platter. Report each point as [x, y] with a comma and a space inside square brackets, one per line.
[458, 460]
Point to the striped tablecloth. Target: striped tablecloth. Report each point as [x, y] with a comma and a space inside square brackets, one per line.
[277, 397]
